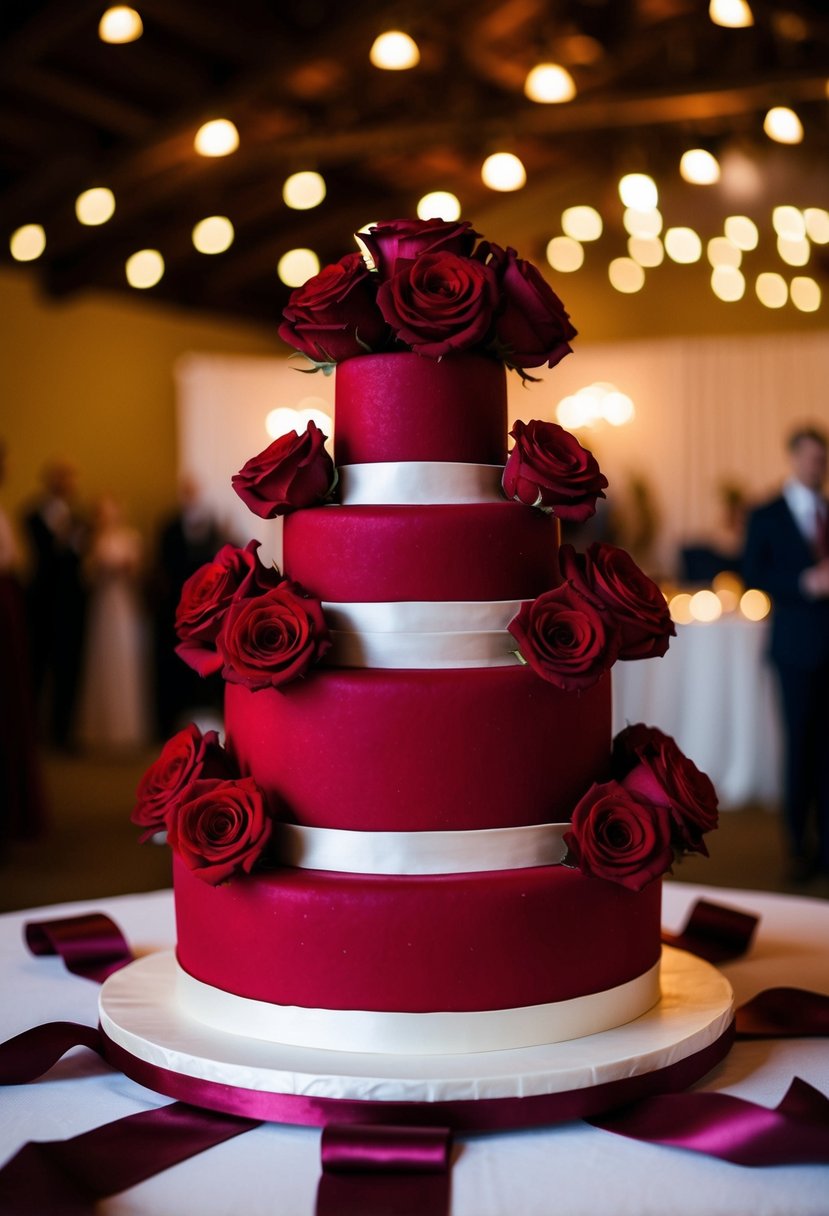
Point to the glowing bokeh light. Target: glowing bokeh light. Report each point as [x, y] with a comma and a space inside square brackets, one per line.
[705, 606]
[638, 190]
[742, 232]
[699, 167]
[642, 223]
[218, 137]
[771, 289]
[213, 235]
[439, 205]
[144, 269]
[683, 245]
[646, 250]
[120, 24]
[733, 14]
[27, 243]
[679, 607]
[626, 275]
[723, 252]
[549, 83]
[565, 254]
[95, 206]
[728, 283]
[783, 126]
[304, 190]
[755, 605]
[805, 293]
[394, 51]
[582, 223]
[817, 225]
[297, 266]
[503, 171]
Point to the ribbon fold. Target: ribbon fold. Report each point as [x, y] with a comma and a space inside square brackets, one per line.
[375, 1170]
[714, 932]
[90, 945]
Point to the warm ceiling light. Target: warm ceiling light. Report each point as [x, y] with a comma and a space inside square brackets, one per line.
[638, 191]
[741, 231]
[705, 606]
[581, 223]
[503, 171]
[642, 223]
[120, 24]
[733, 14]
[793, 253]
[565, 254]
[213, 235]
[771, 289]
[439, 205]
[646, 250]
[549, 83]
[304, 190]
[27, 243]
[805, 293]
[683, 245]
[755, 604]
[626, 275]
[394, 51]
[145, 268]
[788, 222]
[817, 225]
[617, 408]
[723, 252]
[728, 283]
[782, 125]
[95, 206]
[218, 137]
[699, 167]
[297, 266]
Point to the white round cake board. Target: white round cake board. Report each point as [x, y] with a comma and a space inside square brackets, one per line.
[139, 1014]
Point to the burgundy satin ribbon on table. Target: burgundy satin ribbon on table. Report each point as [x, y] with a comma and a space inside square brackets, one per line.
[374, 1168]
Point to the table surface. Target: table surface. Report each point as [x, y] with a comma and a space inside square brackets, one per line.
[570, 1168]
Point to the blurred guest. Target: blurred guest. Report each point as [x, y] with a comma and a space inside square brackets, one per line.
[21, 797]
[187, 540]
[787, 555]
[722, 548]
[57, 536]
[114, 706]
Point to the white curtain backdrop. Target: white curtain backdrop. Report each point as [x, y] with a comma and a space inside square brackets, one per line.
[708, 410]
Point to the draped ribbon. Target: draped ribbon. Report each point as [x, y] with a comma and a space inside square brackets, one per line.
[90, 945]
[373, 1170]
[461, 852]
[415, 482]
[714, 932]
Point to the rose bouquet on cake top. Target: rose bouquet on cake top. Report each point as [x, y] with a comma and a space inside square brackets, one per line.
[434, 288]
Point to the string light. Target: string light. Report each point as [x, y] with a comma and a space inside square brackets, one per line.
[439, 205]
[728, 283]
[771, 289]
[503, 171]
[581, 223]
[788, 222]
[755, 604]
[683, 245]
[699, 167]
[733, 14]
[679, 607]
[394, 51]
[817, 225]
[705, 606]
[782, 125]
[213, 235]
[646, 250]
[626, 275]
[297, 266]
[302, 191]
[595, 403]
[26, 244]
[144, 269]
[120, 24]
[283, 420]
[549, 83]
[642, 223]
[793, 253]
[723, 252]
[742, 232]
[805, 293]
[218, 137]
[565, 254]
[638, 191]
[95, 206]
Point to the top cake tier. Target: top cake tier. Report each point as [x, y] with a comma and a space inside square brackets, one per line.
[402, 407]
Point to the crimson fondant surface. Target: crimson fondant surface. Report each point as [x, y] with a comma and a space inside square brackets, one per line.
[421, 750]
[404, 407]
[471, 551]
[417, 944]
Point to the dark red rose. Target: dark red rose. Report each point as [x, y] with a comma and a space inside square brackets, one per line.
[294, 471]
[439, 303]
[220, 828]
[334, 315]
[189, 756]
[207, 595]
[533, 326]
[274, 638]
[650, 763]
[548, 467]
[565, 639]
[408, 239]
[620, 837]
[608, 576]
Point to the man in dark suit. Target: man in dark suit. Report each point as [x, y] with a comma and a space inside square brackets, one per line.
[787, 555]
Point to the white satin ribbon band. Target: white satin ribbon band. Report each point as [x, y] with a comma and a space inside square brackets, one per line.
[422, 633]
[418, 1033]
[349, 852]
[418, 482]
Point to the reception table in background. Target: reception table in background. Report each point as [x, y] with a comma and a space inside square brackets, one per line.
[571, 1168]
[713, 691]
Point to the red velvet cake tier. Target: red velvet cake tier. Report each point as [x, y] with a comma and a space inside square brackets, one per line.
[495, 940]
[404, 407]
[371, 749]
[474, 551]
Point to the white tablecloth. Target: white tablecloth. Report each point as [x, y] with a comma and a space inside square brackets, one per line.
[713, 691]
[572, 1168]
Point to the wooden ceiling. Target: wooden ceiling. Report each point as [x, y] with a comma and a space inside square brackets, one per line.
[653, 76]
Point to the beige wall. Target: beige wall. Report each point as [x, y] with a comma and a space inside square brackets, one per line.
[92, 379]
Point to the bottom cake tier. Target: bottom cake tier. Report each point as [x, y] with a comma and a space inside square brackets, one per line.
[417, 964]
